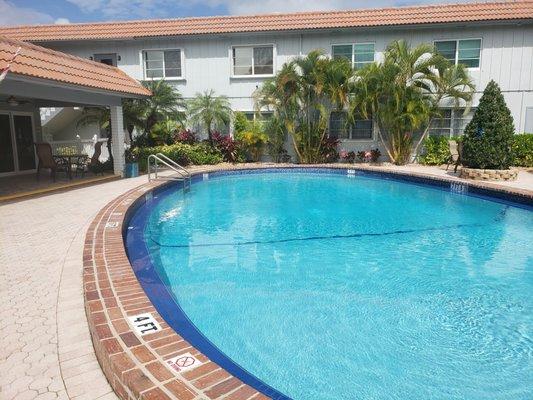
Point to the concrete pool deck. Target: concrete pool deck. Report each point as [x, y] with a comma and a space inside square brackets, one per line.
[46, 349]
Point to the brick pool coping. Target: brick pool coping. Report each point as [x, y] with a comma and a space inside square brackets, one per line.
[135, 365]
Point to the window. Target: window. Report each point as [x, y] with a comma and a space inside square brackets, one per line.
[451, 123]
[359, 54]
[339, 128]
[253, 60]
[161, 64]
[465, 52]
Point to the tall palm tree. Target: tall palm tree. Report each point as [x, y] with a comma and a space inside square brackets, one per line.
[403, 93]
[451, 83]
[210, 111]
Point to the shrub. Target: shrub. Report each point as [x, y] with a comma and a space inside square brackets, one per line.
[369, 155]
[523, 150]
[329, 149]
[252, 140]
[228, 147]
[186, 136]
[240, 124]
[183, 154]
[163, 132]
[489, 135]
[437, 151]
[347, 156]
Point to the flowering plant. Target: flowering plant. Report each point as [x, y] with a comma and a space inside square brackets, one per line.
[347, 156]
[369, 155]
[186, 136]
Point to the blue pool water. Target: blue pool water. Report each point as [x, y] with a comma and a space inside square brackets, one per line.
[326, 287]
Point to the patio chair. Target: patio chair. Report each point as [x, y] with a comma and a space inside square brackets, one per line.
[455, 154]
[47, 161]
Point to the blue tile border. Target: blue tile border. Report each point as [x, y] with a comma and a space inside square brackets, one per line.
[136, 248]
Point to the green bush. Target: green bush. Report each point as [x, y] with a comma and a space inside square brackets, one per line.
[523, 150]
[183, 154]
[437, 151]
[489, 135]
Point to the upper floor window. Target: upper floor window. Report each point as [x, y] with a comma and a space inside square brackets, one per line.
[162, 64]
[359, 54]
[253, 60]
[465, 51]
[339, 128]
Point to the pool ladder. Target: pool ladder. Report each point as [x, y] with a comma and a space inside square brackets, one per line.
[156, 161]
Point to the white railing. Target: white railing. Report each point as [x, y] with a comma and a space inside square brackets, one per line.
[79, 146]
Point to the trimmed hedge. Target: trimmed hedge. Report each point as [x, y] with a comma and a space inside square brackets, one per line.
[523, 150]
[183, 154]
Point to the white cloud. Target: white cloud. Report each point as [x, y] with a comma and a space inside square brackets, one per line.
[240, 7]
[62, 21]
[10, 14]
[131, 9]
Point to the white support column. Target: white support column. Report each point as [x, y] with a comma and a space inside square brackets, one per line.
[117, 134]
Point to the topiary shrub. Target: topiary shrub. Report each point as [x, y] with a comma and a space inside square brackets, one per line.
[523, 150]
[488, 137]
[437, 151]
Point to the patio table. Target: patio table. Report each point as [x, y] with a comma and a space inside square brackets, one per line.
[70, 159]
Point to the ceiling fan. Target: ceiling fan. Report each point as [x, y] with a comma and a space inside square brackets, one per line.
[14, 102]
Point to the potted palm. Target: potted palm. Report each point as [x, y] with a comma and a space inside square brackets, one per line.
[131, 169]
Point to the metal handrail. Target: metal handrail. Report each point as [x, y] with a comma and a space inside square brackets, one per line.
[175, 164]
[184, 175]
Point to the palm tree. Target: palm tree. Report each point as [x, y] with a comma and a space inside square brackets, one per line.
[402, 94]
[164, 104]
[452, 83]
[302, 95]
[210, 111]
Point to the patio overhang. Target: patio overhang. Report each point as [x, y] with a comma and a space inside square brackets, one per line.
[39, 77]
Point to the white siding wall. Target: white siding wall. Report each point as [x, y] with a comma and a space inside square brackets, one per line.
[506, 57]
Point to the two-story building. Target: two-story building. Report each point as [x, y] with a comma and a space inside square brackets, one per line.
[233, 55]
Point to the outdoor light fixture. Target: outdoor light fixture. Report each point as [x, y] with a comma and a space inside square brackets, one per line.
[12, 101]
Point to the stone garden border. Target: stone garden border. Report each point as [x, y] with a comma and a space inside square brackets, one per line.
[135, 365]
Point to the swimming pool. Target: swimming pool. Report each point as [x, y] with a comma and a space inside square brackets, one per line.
[334, 286]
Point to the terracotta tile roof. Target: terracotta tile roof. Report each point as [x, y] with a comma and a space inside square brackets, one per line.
[39, 62]
[469, 12]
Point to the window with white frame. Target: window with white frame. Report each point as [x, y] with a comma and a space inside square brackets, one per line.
[464, 51]
[339, 127]
[452, 122]
[162, 64]
[253, 60]
[359, 54]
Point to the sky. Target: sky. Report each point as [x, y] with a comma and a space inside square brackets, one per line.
[21, 12]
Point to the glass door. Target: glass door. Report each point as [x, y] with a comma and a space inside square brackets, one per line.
[7, 159]
[24, 139]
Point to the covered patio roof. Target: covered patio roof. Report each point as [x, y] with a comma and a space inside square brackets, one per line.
[39, 77]
[60, 77]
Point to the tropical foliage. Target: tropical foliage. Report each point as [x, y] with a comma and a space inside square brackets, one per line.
[436, 151]
[523, 150]
[302, 95]
[183, 154]
[251, 135]
[488, 138]
[166, 103]
[403, 93]
[209, 111]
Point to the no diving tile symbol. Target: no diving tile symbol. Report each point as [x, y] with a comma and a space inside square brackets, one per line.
[145, 324]
[183, 362]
